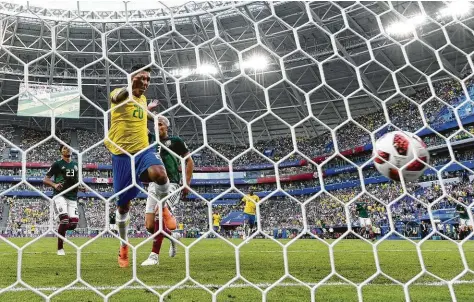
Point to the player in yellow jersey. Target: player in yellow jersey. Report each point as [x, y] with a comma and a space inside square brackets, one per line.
[129, 131]
[250, 210]
[216, 222]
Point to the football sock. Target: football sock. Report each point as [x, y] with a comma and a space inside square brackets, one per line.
[63, 226]
[161, 190]
[158, 240]
[122, 223]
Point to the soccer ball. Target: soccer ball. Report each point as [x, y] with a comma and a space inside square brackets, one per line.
[397, 149]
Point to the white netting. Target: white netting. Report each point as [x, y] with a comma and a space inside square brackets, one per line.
[296, 91]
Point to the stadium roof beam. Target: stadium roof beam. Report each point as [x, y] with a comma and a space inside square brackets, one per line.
[53, 54]
[293, 89]
[165, 86]
[342, 49]
[221, 75]
[15, 29]
[336, 111]
[301, 106]
[94, 56]
[40, 39]
[447, 65]
[295, 93]
[402, 76]
[214, 57]
[119, 39]
[165, 80]
[164, 77]
[259, 109]
[184, 90]
[68, 27]
[361, 30]
[3, 26]
[107, 73]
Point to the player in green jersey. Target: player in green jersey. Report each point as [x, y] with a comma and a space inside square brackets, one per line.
[65, 173]
[112, 222]
[172, 164]
[364, 220]
[465, 223]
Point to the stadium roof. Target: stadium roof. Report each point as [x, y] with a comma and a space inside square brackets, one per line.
[199, 48]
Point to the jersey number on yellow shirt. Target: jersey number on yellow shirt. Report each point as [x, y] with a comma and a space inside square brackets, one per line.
[138, 112]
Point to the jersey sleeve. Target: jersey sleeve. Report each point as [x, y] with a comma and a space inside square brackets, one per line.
[181, 147]
[52, 170]
[114, 93]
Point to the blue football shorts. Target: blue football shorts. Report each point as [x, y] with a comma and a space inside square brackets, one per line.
[122, 173]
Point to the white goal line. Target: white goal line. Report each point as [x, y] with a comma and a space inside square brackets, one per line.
[243, 285]
[289, 251]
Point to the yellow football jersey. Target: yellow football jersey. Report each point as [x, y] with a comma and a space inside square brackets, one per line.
[217, 219]
[128, 125]
[251, 204]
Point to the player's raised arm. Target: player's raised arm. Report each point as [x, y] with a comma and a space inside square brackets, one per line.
[47, 178]
[119, 95]
[151, 106]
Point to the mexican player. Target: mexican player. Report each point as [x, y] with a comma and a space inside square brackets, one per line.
[364, 220]
[250, 210]
[172, 164]
[112, 223]
[65, 174]
[465, 223]
[129, 132]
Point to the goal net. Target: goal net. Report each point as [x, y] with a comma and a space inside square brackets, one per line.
[280, 100]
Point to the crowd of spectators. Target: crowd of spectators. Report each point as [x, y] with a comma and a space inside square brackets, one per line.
[325, 210]
[28, 211]
[96, 217]
[46, 151]
[8, 133]
[96, 155]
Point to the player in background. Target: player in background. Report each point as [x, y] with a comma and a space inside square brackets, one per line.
[65, 174]
[465, 224]
[364, 220]
[129, 131]
[250, 210]
[216, 222]
[112, 222]
[172, 165]
[181, 230]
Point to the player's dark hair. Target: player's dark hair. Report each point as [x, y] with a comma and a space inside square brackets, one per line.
[61, 147]
[139, 67]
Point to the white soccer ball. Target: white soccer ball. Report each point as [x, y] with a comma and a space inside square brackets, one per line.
[396, 149]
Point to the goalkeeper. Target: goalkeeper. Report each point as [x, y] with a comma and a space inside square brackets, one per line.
[172, 163]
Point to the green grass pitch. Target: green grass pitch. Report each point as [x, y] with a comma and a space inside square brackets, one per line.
[213, 263]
